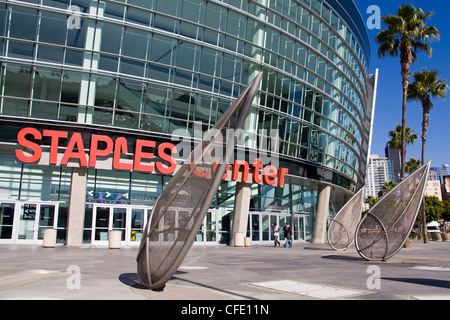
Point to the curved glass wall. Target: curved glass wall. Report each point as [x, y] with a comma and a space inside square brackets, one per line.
[159, 66]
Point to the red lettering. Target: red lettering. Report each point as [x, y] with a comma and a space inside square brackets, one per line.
[21, 139]
[269, 175]
[199, 173]
[139, 155]
[281, 174]
[95, 152]
[54, 143]
[121, 148]
[236, 168]
[75, 141]
[256, 169]
[240, 170]
[225, 175]
[166, 157]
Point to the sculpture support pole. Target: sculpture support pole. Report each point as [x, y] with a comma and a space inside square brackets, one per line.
[241, 209]
[321, 217]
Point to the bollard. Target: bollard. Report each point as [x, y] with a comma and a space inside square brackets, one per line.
[114, 239]
[49, 238]
[239, 239]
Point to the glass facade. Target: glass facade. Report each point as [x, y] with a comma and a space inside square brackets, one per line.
[159, 67]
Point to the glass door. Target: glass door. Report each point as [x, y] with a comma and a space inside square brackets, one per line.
[255, 231]
[299, 228]
[46, 219]
[28, 223]
[34, 219]
[266, 227]
[137, 225]
[107, 218]
[138, 217]
[211, 227]
[119, 220]
[7, 211]
[101, 224]
[130, 220]
[208, 232]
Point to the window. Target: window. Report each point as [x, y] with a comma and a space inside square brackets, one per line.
[135, 43]
[52, 28]
[23, 23]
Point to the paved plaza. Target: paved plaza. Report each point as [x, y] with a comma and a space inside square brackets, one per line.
[304, 272]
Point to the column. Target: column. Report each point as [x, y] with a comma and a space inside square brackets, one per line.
[244, 190]
[77, 205]
[321, 217]
[86, 99]
[241, 210]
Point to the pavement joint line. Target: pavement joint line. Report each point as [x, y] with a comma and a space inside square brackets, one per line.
[318, 291]
[430, 268]
[431, 297]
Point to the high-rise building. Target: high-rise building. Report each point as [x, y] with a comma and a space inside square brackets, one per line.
[379, 171]
[394, 155]
[440, 172]
[433, 186]
[96, 97]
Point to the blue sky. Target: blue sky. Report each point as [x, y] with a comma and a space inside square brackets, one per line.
[389, 100]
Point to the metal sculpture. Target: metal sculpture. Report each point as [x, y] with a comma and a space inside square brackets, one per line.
[180, 209]
[341, 233]
[387, 225]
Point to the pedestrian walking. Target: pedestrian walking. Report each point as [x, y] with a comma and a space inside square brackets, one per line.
[287, 235]
[276, 235]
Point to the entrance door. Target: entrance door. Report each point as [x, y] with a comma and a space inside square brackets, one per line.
[107, 218]
[299, 228]
[209, 229]
[130, 220]
[260, 227]
[137, 224]
[7, 211]
[34, 219]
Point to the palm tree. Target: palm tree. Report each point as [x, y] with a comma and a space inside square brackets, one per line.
[426, 85]
[388, 186]
[396, 142]
[396, 137]
[404, 37]
[412, 165]
[371, 201]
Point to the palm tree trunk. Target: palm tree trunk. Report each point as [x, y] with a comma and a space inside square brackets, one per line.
[403, 151]
[426, 116]
[406, 59]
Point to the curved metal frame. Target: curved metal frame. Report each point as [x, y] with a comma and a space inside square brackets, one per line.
[425, 168]
[358, 249]
[342, 212]
[242, 103]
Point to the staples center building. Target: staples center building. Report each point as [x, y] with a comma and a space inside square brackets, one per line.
[95, 97]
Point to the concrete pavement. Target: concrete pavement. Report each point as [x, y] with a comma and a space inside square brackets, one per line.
[304, 272]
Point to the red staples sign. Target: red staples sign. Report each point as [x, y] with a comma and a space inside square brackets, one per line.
[146, 157]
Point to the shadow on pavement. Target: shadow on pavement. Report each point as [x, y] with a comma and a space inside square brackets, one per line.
[424, 282]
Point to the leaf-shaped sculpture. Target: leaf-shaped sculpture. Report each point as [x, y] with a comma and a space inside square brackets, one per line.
[341, 233]
[170, 232]
[387, 225]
